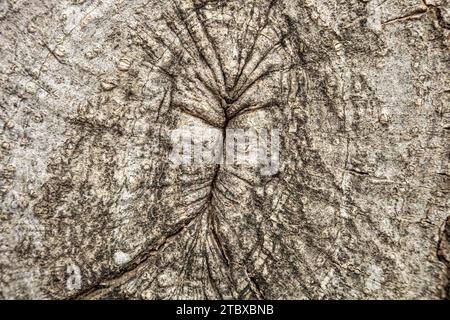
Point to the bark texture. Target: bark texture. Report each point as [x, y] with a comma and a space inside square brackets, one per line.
[92, 208]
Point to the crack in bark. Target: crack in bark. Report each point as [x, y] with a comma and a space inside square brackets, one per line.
[415, 14]
[356, 171]
[437, 12]
[227, 97]
[255, 286]
[132, 267]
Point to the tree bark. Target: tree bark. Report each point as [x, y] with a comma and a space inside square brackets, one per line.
[93, 207]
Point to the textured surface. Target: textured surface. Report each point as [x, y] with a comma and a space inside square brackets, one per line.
[91, 206]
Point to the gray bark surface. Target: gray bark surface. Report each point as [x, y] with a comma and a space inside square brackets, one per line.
[92, 208]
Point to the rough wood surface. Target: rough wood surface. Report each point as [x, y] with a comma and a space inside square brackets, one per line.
[91, 206]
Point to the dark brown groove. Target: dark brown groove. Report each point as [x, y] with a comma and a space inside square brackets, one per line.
[213, 45]
[444, 244]
[263, 57]
[213, 91]
[132, 266]
[212, 281]
[265, 74]
[208, 206]
[249, 55]
[182, 18]
[255, 287]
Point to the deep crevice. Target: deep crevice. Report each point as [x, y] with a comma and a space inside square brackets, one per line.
[132, 267]
[227, 99]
